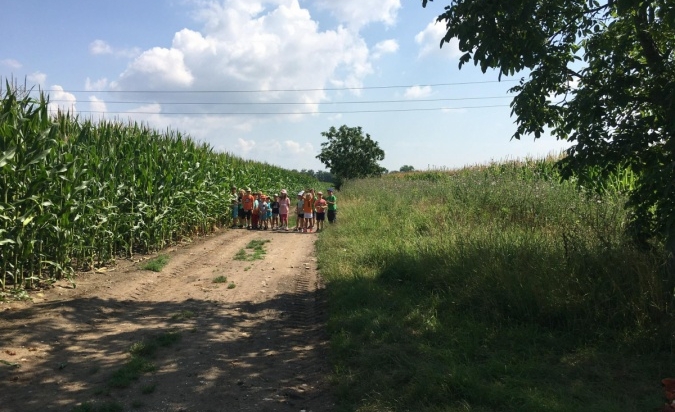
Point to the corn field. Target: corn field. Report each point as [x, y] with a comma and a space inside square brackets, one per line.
[77, 194]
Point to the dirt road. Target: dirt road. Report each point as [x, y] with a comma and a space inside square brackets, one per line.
[253, 343]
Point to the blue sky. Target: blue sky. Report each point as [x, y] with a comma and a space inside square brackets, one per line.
[263, 78]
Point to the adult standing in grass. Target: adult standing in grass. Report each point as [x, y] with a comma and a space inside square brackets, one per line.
[331, 200]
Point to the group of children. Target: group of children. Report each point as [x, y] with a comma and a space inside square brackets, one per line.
[259, 211]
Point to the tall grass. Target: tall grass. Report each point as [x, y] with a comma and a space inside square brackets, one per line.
[493, 288]
[75, 193]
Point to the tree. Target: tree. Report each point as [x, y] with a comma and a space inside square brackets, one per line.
[350, 155]
[612, 67]
[406, 168]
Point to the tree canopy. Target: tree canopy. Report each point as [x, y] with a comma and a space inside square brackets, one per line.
[406, 168]
[610, 66]
[348, 154]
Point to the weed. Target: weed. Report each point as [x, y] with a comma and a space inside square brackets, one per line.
[98, 407]
[156, 264]
[257, 251]
[231, 285]
[140, 363]
[220, 279]
[148, 389]
[183, 315]
[131, 371]
[497, 288]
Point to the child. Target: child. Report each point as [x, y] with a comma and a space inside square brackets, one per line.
[275, 212]
[255, 213]
[284, 207]
[247, 204]
[240, 207]
[268, 217]
[234, 206]
[313, 220]
[332, 206]
[308, 210]
[298, 210]
[321, 205]
[262, 212]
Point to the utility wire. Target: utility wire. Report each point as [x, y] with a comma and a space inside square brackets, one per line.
[281, 90]
[293, 113]
[297, 103]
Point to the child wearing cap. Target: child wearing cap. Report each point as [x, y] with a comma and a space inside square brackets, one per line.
[320, 205]
[247, 204]
[284, 208]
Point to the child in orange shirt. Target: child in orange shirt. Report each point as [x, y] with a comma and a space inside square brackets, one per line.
[308, 211]
[320, 205]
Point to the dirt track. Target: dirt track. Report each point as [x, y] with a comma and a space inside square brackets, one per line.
[258, 346]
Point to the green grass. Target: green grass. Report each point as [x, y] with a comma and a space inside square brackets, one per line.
[183, 315]
[255, 250]
[148, 389]
[494, 289]
[220, 279]
[110, 406]
[140, 361]
[156, 264]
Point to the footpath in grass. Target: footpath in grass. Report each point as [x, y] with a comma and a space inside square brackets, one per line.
[492, 290]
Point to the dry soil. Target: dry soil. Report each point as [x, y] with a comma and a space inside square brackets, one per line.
[253, 343]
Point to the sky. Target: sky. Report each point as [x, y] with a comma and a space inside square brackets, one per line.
[262, 79]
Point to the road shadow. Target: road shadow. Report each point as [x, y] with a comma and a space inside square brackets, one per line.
[267, 356]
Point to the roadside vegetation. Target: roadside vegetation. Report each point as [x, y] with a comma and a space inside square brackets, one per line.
[254, 250]
[77, 194]
[494, 288]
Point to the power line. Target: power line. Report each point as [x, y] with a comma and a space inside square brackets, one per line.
[292, 113]
[281, 90]
[297, 103]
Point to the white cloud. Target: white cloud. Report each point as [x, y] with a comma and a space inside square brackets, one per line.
[245, 145]
[99, 47]
[272, 45]
[158, 68]
[99, 84]
[429, 42]
[358, 13]
[38, 78]
[385, 47]
[61, 100]
[296, 148]
[416, 92]
[11, 63]
[97, 105]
